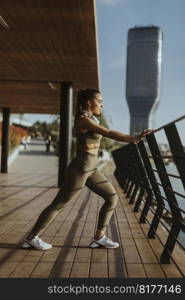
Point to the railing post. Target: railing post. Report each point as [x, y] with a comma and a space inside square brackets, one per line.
[139, 179]
[144, 183]
[176, 149]
[155, 188]
[172, 202]
[139, 199]
[135, 190]
[126, 184]
[130, 189]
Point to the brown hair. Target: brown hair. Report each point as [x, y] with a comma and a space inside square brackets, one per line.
[82, 97]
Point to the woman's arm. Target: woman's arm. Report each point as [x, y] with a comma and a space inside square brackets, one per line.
[87, 123]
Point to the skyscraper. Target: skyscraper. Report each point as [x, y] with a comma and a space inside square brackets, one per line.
[143, 78]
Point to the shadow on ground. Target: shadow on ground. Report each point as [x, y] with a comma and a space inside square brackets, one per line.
[32, 152]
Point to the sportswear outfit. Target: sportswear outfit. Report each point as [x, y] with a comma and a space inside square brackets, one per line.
[82, 171]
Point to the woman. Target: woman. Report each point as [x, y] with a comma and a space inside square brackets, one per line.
[82, 171]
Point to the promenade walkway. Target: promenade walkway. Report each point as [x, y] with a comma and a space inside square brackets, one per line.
[29, 187]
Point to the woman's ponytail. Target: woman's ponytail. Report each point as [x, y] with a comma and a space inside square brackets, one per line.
[78, 104]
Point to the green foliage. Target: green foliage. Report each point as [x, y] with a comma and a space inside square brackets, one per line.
[42, 129]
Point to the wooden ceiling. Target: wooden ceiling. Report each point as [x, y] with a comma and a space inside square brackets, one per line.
[45, 41]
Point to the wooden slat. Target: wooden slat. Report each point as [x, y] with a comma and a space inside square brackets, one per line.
[7, 268]
[65, 270]
[125, 231]
[42, 269]
[99, 255]
[154, 271]
[135, 271]
[83, 254]
[80, 270]
[98, 270]
[36, 47]
[23, 270]
[150, 250]
[50, 256]
[171, 271]
[130, 251]
[71, 233]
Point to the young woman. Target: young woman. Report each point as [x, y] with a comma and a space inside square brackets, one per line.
[82, 171]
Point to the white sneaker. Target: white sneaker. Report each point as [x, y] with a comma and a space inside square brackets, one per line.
[36, 243]
[105, 242]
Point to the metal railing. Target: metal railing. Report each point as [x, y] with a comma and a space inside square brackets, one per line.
[141, 172]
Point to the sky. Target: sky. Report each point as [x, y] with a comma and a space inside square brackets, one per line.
[114, 18]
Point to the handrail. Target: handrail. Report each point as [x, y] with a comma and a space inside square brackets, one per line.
[172, 122]
[136, 175]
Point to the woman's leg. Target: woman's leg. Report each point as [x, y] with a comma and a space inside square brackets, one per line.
[74, 182]
[99, 184]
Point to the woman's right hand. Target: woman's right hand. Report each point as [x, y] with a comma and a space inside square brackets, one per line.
[136, 139]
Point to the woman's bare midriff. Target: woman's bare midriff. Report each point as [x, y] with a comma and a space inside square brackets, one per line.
[90, 148]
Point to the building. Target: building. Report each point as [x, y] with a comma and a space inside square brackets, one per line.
[143, 78]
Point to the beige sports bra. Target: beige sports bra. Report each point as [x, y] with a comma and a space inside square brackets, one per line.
[88, 138]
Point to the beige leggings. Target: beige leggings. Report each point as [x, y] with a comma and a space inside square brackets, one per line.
[81, 171]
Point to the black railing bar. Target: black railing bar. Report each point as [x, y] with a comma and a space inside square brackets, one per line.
[156, 191]
[171, 175]
[175, 121]
[173, 204]
[161, 196]
[164, 207]
[165, 226]
[180, 244]
[159, 218]
[182, 210]
[167, 156]
[162, 220]
[164, 156]
[177, 240]
[171, 157]
[157, 203]
[141, 187]
[177, 193]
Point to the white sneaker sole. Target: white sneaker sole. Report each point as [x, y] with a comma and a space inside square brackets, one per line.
[27, 245]
[96, 245]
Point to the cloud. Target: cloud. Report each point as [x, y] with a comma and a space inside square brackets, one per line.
[109, 2]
